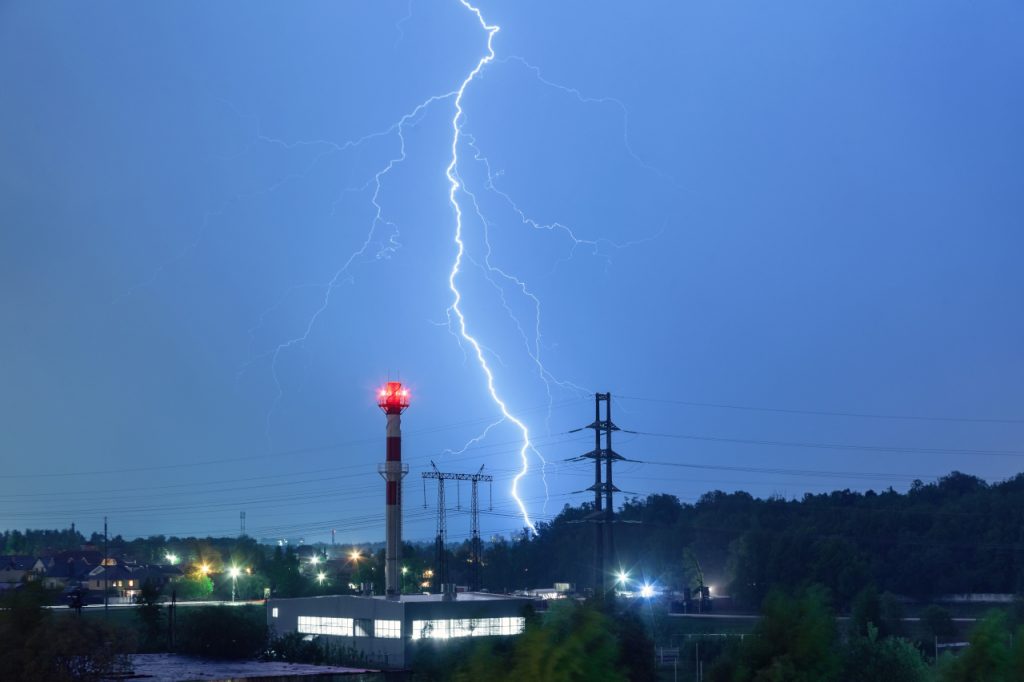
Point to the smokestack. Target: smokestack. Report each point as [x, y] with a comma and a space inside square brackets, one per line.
[393, 399]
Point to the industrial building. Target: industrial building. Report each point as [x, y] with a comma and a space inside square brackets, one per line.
[382, 629]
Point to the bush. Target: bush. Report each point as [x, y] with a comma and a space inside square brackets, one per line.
[237, 632]
[36, 644]
[294, 648]
[69, 649]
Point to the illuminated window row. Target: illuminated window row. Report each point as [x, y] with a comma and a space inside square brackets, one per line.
[349, 627]
[467, 627]
[387, 629]
[316, 625]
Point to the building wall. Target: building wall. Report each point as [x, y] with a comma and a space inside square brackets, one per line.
[356, 622]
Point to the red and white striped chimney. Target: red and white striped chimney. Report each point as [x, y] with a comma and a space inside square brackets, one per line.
[393, 399]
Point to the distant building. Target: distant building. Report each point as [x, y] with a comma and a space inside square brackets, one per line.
[58, 572]
[383, 630]
[15, 569]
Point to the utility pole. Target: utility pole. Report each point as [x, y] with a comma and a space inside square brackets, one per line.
[476, 546]
[609, 488]
[171, 615]
[440, 540]
[603, 516]
[106, 571]
[599, 568]
[241, 520]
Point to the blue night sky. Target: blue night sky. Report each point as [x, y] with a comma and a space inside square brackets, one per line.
[802, 206]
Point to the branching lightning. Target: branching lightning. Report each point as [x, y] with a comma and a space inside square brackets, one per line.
[455, 309]
[385, 248]
[382, 238]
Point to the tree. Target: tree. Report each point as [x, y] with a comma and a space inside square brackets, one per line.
[195, 587]
[76, 649]
[882, 660]
[987, 658]
[229, 632]
[571, 643]
[795, 641]
[149, 614]
[937, 622]
[40, 646]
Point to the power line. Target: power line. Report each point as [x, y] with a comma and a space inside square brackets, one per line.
[268, 455]
[834, 446]
[828, 413]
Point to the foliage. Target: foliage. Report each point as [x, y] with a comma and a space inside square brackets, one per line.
[194, 587]
[229, 632]
[34, 542]
[39, 646]
[883, 612]
[937, 622]
[892, 659]
[77, 649]
[294, 648]
[283, 575]
[795, 641]
[636, 648]
[571, 642]
[993, 655]
[958, 534]
[150, 616]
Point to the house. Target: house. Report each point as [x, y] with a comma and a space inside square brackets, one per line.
[125, 580]
[58, 573]
[16, 568]
[115, 576]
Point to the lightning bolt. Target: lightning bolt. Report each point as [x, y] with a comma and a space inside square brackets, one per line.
[385, 248]
[455, 308]
[382, 238]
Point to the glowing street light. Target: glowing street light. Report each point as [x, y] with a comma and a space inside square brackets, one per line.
[234, 572]
[355, 555]
[172, 558]
[321, 577]
[204, 569]
[622, 578]
[647, 591]
[315, 559]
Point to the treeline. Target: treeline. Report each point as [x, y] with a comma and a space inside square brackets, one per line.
[957, 535]
[799, 639]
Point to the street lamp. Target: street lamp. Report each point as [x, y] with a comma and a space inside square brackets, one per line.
[321, 577]
[315, 559]
[647, 591]
[355, 555]
[172, 558]
[234, 571]
[622, 577]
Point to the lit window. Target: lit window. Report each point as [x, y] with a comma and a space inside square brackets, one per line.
[273, 612]
[316, 625]
[388, 629]
[467, 627]
[131, 583]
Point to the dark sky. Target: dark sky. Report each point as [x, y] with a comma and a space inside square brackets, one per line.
[804, 206]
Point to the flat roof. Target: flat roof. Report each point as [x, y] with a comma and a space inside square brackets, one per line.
[417, 598]
[461, 596]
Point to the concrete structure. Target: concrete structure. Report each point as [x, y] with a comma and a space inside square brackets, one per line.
[383, 630]
[394, 400]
